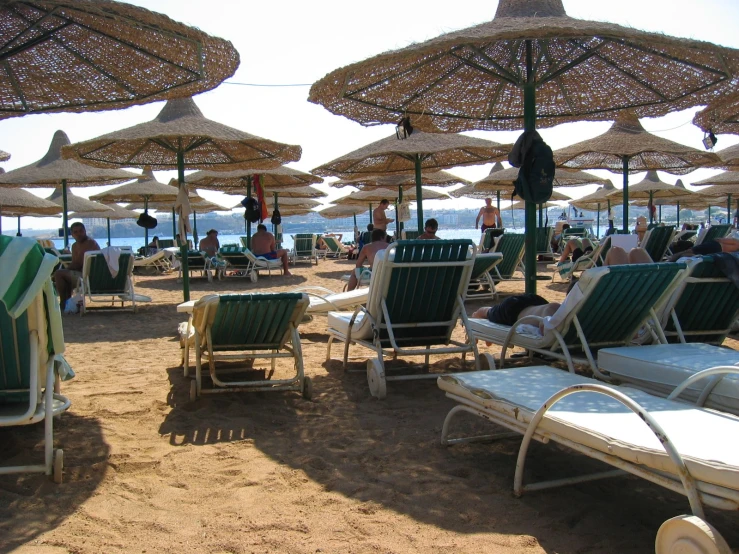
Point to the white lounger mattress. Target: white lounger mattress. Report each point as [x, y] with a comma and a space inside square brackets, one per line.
[339, 300]
[662, 367]
[487, 330]
[701, 436]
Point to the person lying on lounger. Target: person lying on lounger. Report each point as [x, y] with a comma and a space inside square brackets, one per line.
[575, 247]
[513, 308]
[727, 244]
[368, 253]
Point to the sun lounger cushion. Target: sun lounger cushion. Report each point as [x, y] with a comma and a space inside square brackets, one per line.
[606, 425]
[339, 300]
[662, 367]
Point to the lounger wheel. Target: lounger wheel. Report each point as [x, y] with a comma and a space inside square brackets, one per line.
[193, 390]
[376, 379]
[487, 361]
[253, 276]
[689, 535]
[307, 388]
[58, 466]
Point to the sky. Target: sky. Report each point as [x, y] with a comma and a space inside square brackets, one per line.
[291, 42]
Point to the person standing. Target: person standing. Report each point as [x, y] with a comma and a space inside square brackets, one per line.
[379, 219]
[66, 279]
[490, 216]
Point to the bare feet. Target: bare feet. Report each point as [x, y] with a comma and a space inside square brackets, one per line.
[287, 274]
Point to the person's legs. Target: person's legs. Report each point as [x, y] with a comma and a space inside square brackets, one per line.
[616, 256]
[353, 282]
[65, 281]
[639, 256]
[282, 254]
[569, 249]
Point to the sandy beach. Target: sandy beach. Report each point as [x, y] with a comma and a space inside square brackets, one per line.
[147, 470]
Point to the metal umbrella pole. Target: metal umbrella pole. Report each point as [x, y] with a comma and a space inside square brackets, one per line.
[529, 119]
[625, 205]
[107, 220]
[419, 192]
[183, 245]
[64, 213]
[19, 227]
[597, 222]
[678, 213]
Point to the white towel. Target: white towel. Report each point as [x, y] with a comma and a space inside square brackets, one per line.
[111, 255]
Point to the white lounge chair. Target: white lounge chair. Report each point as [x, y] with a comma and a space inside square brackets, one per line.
[677, 446]
[158, 261]
[97, 284]
[399, 317]
[323, 300]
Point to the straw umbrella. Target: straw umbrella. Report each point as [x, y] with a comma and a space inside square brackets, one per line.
[74, 56]
[495, 75]
[52, 171]
[720, 116]
[419, 151]
[17, 202]
[339, 212]
[594, 200]
[628, 148]
[181, 137]
[115, 212]
[4, 156]
[649, 188]
[723, 184]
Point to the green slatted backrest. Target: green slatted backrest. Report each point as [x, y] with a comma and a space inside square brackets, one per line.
[510, 245]
[620, 303]
[15, 356]
[706, 306]
[717, 232]
[101, 281]
[490, 234]
[575, 232]
[166, 243]
[234, 255]
[195, 259]
[425, 294]
[411, 235]
[303, 244]
[333, 244]
[543, 238]
[245, 242]
[483, 264]
[253, 321]
[603, 251]
[659, 240]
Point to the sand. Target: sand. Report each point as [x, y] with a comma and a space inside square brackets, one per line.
[147, 470]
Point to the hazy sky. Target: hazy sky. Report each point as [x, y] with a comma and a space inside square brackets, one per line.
[298, 42]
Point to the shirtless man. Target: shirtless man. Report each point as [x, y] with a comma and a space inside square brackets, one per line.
[430, 229]
[379, 242]
[379, 219]
[66, 279]
[263, 245]
[490, 216]
[210, 244]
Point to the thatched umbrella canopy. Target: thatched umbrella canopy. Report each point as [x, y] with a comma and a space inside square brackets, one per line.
[17, 202]
[530, 58]
[432, 178]
[419, 151]
[369, 196]
[115, 212]
[236, 181]
[725, 184]
[720, 116]
[52, 171]
[520, 205]
[594, 201]
[4, 156]
[77, 203]
[648, 189]
[76, 56]
[628, 148]
[729, 157]
[180, 137]
[338, 212]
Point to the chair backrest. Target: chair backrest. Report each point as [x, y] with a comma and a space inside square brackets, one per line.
[304, 244]
[408, 275]
[487, 240]
[658, 241]
[95, 270]
[166, 243]
[575, 232]
[245, 242]
[195, 259]
[484, 263]
[250, 321]
[706, 305]
[411, 234]
[617, 301]
[544, 239]
[716, 232]
[511, 245]
[333, 245]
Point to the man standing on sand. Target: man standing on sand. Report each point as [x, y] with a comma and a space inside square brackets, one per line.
[263, 246]
[379, 219]
[379, 242]
[490, 216]
[66, 279]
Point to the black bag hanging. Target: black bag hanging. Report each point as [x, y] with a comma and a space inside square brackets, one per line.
[536, 173]
[251, 214]
[276, 217]
[146, 221]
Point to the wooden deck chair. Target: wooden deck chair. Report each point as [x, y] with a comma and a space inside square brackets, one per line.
[511, 245]
[98, 285]
[31, 346]
[304, 248]
[657, 240]
[676, 446]
[713, 232]
[487, 239]
[482, 284]
[606, 308]
[157, 261]
[398, 318]
[196, 261]
[335, 248]
[244, 327]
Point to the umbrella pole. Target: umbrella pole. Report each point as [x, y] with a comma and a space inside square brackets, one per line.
[541, 216]
[597, 222]
[728, 208]
[183, 245]
[19, 227]
[107, 220]
[660, 213]
[529, 120]
[248, 223]
[274, 227]
[625, 206]
[709, 214]
[146, 230]
[371, 214]
[678, 214]
[64, 213]
[497, 200]
[194, 227]
[278, 239]
[419, 192]
[650, 206]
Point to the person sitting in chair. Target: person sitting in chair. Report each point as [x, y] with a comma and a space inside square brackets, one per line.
[66, 279]
[263, 246]
[368, 253]
[210, 244]
[430, 230]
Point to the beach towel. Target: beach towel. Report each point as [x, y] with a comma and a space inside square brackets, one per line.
[112, 255]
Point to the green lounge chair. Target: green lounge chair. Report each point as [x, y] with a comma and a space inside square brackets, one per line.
[399, 318]
[482, 284]
[712, 233]
[411, 234]
[243, 261]
[157, 261]
[606, 308]
[487, 240]
[166, 243]
[304, 248]
[596, 258]
[245, 242]
[657, 240]
[511, 245]
[544, 240]
[31, 341]
[246, 327]
[335, 248]
[196, 261]
[98, 285]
